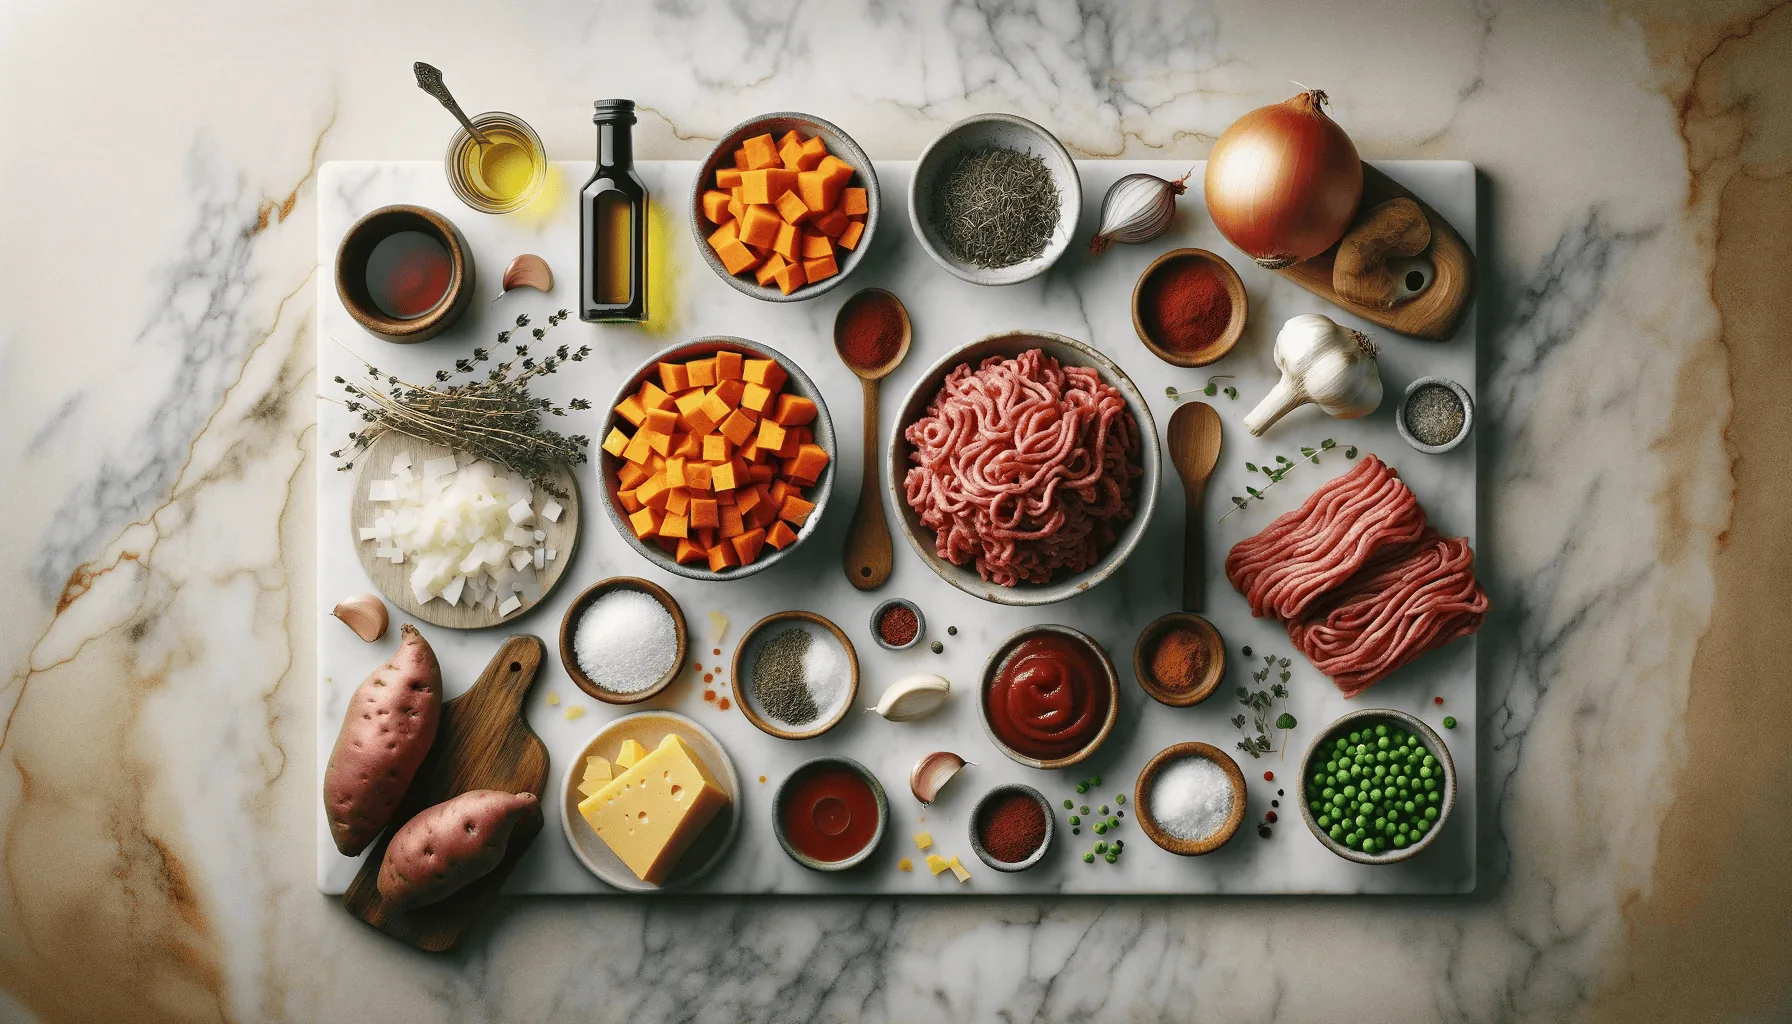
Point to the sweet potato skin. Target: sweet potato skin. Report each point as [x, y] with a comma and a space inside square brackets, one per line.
[390, 724]
[445, 847]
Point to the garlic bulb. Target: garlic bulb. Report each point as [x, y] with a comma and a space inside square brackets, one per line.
[1321, 362]
[1137, 208]
[931, 774]
[365, 614]
[913, 697]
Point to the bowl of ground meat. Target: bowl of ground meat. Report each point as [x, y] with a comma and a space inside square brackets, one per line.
[1025, 468]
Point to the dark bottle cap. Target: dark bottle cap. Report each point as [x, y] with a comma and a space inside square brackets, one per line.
[613, 110]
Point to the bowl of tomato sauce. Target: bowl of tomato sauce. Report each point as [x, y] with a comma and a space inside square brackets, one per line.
[1049, 696]
[830, 814]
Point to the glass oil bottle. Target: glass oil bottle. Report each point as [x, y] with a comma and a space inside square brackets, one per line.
[613, 223]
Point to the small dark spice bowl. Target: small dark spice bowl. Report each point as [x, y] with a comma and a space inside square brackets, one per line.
[1429, 398]
[1001, 802]
[896, 604]
[1145, 292]
[1207, 640]
[569, 626]
[351, 273]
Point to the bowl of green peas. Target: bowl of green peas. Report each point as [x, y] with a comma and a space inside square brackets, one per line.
[1378, 786]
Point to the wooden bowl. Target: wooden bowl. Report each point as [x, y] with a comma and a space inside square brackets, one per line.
[1045, 845]
[351, 273]
[922, 538]
[743, 683]
[995, 662]
[1434, 745]
[1216, 659]
[798, 383]
[1217, 349]
[877, 791]
[1141, 799]
[839, 144]
[574, 612]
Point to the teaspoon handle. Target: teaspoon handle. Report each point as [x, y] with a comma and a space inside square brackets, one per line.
[1194, 549]
[429, 79]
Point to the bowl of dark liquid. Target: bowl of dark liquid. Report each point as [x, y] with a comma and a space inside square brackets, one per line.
[404, 273]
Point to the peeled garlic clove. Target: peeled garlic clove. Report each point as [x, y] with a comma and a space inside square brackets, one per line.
[365, 614]
[913, 697]
[932, 772]
[528, 271]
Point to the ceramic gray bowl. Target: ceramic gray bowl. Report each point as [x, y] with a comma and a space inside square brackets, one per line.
[1064, 585]
[1468, 415]
[798, 384]
[994, 664]
[1434, 745]
[1005, 131]
[877, 837]
[1051, 828]
[839, 143]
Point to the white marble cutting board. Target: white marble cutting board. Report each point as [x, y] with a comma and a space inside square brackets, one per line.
[1082, 298]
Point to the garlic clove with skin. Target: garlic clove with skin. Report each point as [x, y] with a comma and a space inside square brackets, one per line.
[1324, 363]
[931, 774]
[913, 697]
[365, 614]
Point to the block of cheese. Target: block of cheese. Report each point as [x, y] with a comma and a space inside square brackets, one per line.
[597, 775]
[649, 815]
[630, 754]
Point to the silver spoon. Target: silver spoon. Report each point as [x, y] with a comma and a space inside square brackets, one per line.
[429, 79]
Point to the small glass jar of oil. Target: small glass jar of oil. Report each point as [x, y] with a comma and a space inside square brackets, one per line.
[501, 174]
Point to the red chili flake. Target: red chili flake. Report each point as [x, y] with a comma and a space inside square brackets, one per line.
[1269, 776]
[709, 695]
[1269, 816]
[723, 704]
[1437, 700]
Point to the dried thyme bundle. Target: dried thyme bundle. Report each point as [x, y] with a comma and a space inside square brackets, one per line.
[995, 207]
[492, 417]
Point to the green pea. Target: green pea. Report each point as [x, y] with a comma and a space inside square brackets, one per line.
[1375, 794]
[1113, 823]
[1337, 833]
[1429, 760]
[1074, 820]
[1076, 831]
[1324, 821]
[1104, 808]
[1120, 798]
[1431, 785]
[1408, 806]
[1381, 824]
[1082, 787]
[1112, 858]
[1356, 771]
[1424, 773]
[1083, 809]
[1068, 804]
[1366, 808]
[1393, 814]
[1353, 841]
[1101, 828]
[1421, 827]
[1382, 743]
[1434, 797]
[1088, 858]
[1341, 744]
[1381, 730]
[1449, 721]
[1356, 737]
[1095, 780]
[1362, 820]
[1381, 771]
[1101, 847]
[1328, 792]
[1399, 841]
[1349, 791]
[1430, 814]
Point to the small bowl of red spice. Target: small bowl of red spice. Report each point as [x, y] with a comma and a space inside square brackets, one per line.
[1012, 827]
[897, 624]
[1179, 659]
[1189, 307]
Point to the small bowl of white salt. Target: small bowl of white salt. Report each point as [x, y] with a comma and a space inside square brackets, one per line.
[1190, 798]
[623, 640]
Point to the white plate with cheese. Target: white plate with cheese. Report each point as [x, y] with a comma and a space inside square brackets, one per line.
[659, 805]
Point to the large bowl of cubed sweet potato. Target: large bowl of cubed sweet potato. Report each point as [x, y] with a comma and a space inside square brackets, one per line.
[784, 207]
[718, 458]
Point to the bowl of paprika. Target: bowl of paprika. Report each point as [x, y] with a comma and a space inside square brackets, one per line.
[1179, 659]
[1189, 307]
[1012, 827]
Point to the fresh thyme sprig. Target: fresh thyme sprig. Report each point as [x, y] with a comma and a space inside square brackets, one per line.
[492, 416]
[1209, 390]
[1276, 472]
[1261, 703]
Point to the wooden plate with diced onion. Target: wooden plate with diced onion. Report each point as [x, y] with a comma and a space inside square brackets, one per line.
[380, 485]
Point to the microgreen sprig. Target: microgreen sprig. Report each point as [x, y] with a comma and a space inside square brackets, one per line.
[1210, 389]
[1280, 469]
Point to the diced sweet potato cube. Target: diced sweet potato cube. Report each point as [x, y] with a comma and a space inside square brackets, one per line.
[659, 443]
[632, 410]
[701, 372]
[771, 433]
[706, 537]
[821, 269]
[652, 396]
[790, 278]
[729, 365]
[630, 504]
[632, 475]
[837, 169]
[737, 258]
[763, 516]
[703, 513]
[654, 492]
[767, 272]
[795, 510]
[715, 206]
[688, 402]
[675, 473]
[849, 239]
[737, 427]
[722, 478]
[778, 491]
[737, 207]
[831, 223]
[756, 398]
[728, 178]
[761, 474]
[759, 226]
[750, 450]
[675, 526]
[748, 544]
[732, 524]
[813, 152]
[696, 476]
[817, 190]
[726, 498]
[729, 391]
[686, 445]
[656, 463]
[764, 187]
[855, 200]
[715, 448]
[792, 208]
[790, 154]
[761, 152]
[810, 461]
[662, 421]
[764, 372]
[678, 502]
[749, 498]
[645, 523]
[724, 236]
[689, 552]
[793, 410]
[816, 246]
[715, 407]
[789, 137]
[780, 536]
[722, 556]
[638, 448]
[616, 442]
[740, 158]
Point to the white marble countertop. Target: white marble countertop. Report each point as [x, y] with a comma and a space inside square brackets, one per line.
[157, 759]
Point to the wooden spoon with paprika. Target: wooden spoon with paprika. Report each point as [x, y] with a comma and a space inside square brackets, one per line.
[872, 334]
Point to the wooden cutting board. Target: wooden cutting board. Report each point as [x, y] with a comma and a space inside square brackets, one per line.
[1433, 314]
[482, 743]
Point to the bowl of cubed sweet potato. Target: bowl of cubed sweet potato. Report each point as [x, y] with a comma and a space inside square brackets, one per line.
[718, 457]
[785, 206]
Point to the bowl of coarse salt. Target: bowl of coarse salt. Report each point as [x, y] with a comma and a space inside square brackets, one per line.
[1190, 798]
[623, 640]
[795, 675]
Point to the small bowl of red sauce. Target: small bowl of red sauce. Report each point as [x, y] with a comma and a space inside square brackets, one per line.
[1012, 827]
[1049, 697]
[830, 814]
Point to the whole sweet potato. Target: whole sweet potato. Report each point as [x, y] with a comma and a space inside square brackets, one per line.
[390, 724]
[446, 846]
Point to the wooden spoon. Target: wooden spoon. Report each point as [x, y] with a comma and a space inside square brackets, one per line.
[869, 556]
[1194, 449]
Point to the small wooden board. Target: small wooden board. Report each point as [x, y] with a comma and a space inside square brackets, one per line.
[393, 581]
[483, 743]
[1437, 311]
